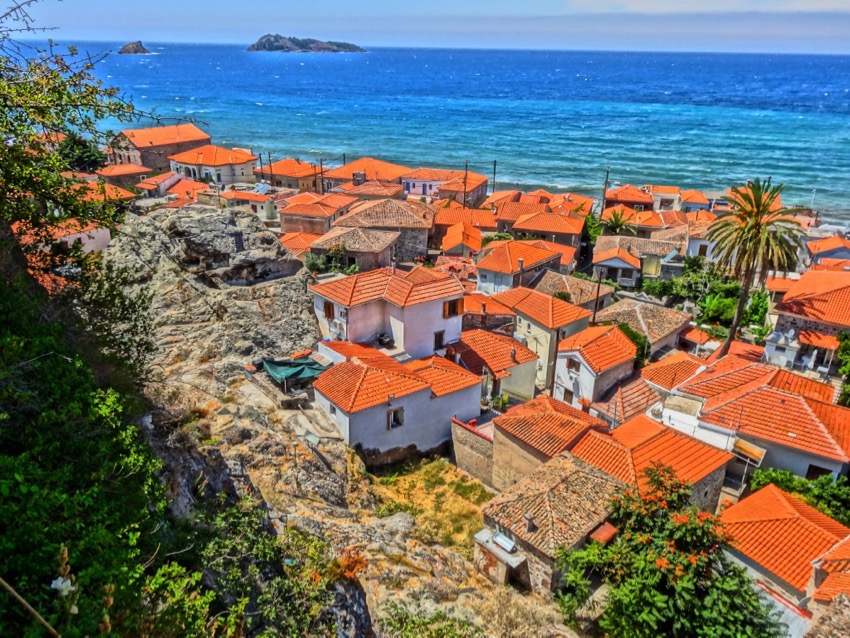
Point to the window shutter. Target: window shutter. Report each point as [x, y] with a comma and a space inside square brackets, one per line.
[445, 310]
[460, 306]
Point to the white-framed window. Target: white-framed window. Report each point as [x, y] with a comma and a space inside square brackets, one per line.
[395, 418]
[333, 409]
[573, 365]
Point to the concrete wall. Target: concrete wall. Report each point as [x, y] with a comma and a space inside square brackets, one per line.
[361, 324]
[521, 382]
[419, 323]
[228, 174]
[694, 246]
[544, 343]
[473, 453]
[585, 383]
[796, 461]
[290, 223]
[512, 460]
[427, 420]
[491, 282]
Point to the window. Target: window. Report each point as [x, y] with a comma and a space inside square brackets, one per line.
[815, 472]
[483, 277]
[573, 365]
[568, 396]
[395, 418]
[452, 308]
[333, 409]
[329, 311]
[639, 208]
[528, 326]
[703, 250]
[439, 340]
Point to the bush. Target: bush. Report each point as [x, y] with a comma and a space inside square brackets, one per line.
[831, 496]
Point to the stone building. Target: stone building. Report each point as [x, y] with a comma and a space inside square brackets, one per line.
[412, 220]
[365, 248]
[661, 326]
[151, 147]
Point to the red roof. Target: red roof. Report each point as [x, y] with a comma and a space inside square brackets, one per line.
[371, 167]
[568, 253]
[835, 242]
[640, 442]
[152, 182]
[617, 253]
[571, 203]
[779, 284]
[101, 192]
[672, 370]
[828, 263]
[543, 309]
[818, 339]
[512, 211]
[212, 155]
[834, 585]
[549, 223]
[506, 257]
[442, 375]
[481, 351]
[601, 347]
[547, 425]
[663, 190]
[781, 533]
[696, 197]
[501, 196]
[402, 289]
[696, 335]
[483, 219]
[165, 135]
[462, 235]
[748, 351]
[821, 295]
[119, 170]
[288, 168]
[298, 243]
[629, 193]
[476, 303]
[247, 196]
[188, 188]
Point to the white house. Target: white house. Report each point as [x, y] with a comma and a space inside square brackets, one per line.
[590, 363]
[215, 163]
[383, 406]
[439, 183]
[512, 263]
[420, 310]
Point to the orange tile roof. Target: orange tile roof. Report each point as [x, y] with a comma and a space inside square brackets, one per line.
[288, 167]
[512, 211]
[568, 253]
[701, 217]
[247, 196]
[781, 533]
[459, 184]
[505, 258]
[442, 375]
[188, 188]
[663, 190]
[354, 386]
[779, 284]
[483, 219]
[483, 351]
[601, 347]
[834, 585]
[119, 170]
[165, 135]
[672, 370]
[631, 398]
[696, 335]
[101, 192]
[629, 193]
[475, 303]
[298, 243]
[388, 213]
[376, 188]
[818, 339]
[837, 559]
[309, 210]
[748, 351]
[549, 223]
[819, 246]
[152, 182]
[654, 321]
[212, 155]
[545, 310]
[463, 269]
[821, 295]
[828, 263]
[303, 198]
[501, 196]
[617, 253]
[337, 200]
[640, 442]
[373, 169]
[694, 197]
[462, 235]
[572, 203]
[400, 289]
[547, 425]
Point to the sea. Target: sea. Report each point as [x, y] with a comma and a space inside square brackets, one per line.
[536, 119]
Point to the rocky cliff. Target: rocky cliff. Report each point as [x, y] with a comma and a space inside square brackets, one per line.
[286, 44]
[133, 48]
[226, 292]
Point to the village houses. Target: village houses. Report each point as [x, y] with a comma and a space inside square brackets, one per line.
[210, 163]
[152, 147]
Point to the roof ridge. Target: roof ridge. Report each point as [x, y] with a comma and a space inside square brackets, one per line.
[821, 425]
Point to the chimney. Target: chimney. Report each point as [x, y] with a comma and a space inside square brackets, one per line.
[393, 266]
[529, 524]
[483, 308]
[520, 262]
[513, 355]
[493, 209]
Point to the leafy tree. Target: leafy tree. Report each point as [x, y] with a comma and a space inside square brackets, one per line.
[842, 356]
[593, 228]
[495, 237]
[757, 307]
[754, 237]
[667, 571]
[412, 621]
[640, 341]
[831, 496]
[658, 288]
[81, 154]
[619, 224]
[717, 309]
[563, 295]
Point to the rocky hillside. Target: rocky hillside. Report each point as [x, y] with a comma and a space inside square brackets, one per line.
[226, 292]
[289, 44]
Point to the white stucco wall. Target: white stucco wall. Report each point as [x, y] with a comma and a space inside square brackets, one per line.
[421, 321]
[92, 240]
[230, 174]
[584, 383]
[694, 246]
[491, 282]
[521, 382]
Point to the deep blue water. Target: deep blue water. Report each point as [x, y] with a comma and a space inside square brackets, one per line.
[550, 119]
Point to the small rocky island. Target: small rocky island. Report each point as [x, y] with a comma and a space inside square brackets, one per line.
[134, 48]
[289, 44]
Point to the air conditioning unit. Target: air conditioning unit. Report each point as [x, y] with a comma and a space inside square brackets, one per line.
[343, 313]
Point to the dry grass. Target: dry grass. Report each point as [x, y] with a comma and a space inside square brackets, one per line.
[445, 503]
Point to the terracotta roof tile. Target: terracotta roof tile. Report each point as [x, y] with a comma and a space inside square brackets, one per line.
[462, 234]
[165, 135]
[656, 322]
[616, 253]
[781, 533]
[389, 213]
[696, 335]
[818, 339]
[639, 246]
[401, 289]
[354, 386]
[512, 211]
[780, 284]
[566, 499]
[298, 243]
[442, 375]
[483, 351]
[672, 370]
[700, 217]
[631, 398]
[476, 303]
[499, 197]
[629, 193]
[376, 188]
[819, 246]
[505, 258]
[828, 263]
[547, 425]
[462, 269]
[288, 167]
[821, 295]
[572, 203]
[188, 189]
[640, 442]
[212, 155]
[373, 169]
[694, 197]
[120, 170]
[663, 190]
[245, 196]
[357, 240]
[581, 291]
[748, 351]
[601, 347]
[549, 223]
[568, 253]
[483, 219]
[545, 310]
[834, 585]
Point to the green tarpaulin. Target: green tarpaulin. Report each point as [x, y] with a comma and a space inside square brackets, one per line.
[282, 370]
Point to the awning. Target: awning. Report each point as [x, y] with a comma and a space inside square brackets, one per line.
[293, 370]
[818, 339]
[748, 451]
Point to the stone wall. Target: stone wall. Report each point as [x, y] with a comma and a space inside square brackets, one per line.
[706, 492]
[412, 243]
[512, 460]
[290, 223]
[473, 453]
[487, 322]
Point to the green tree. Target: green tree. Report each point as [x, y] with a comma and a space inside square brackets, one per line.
[831, 496]
[618, 223]
[667, 571]
[563, 295]
[81, 154]
[842, 357]
[640, 341]
[754, 237]
[593, 228]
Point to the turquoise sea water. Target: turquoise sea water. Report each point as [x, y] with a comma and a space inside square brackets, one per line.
[550, 119]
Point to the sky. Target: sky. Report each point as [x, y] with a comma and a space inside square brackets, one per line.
[781, 26]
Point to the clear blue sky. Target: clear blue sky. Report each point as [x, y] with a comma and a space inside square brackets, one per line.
[701, 25]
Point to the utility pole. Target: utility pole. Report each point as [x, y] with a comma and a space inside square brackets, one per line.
[465, 172]
[271, 174]
[596, 301]
[322, 176]
[604, 190]
[494, 176]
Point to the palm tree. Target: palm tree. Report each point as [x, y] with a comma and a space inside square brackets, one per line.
[617, 223]
[755, 236]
